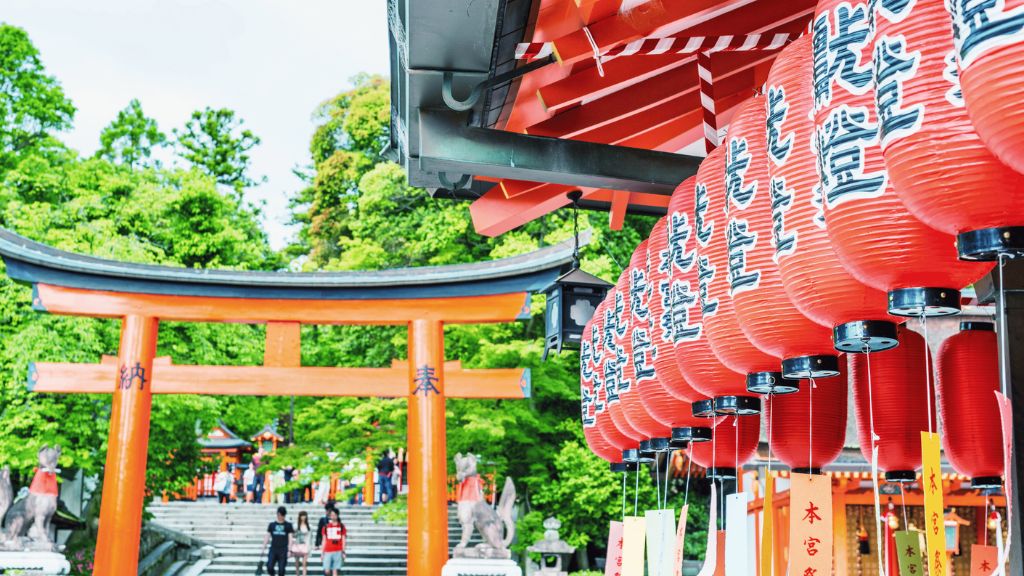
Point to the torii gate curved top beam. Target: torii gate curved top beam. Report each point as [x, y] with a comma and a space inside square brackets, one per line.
[141, 295]
[480, 292]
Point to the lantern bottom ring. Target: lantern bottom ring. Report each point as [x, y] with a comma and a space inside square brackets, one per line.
[682, 437]
[624, 467]
[811, 471]
[721, 473]
[924, 301]
[770, 383]
[986, 482]
[811, 366]
[703, 409]
[635, 456]
[865, 336]
[900, 476]
[737, 405]
[988, 243]
[653, 446]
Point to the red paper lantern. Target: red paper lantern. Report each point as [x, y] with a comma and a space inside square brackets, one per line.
[721, 235]
[589, 406]
[817, 283]
[604, 424]
[938, 164]
[612, 358]
[734, 444]
[639, 370]
[989, 50]
[897, 393]
[669, 401]
[876, 238]
[808, 429]
[694, 357]
[766, 314]
[967, 367]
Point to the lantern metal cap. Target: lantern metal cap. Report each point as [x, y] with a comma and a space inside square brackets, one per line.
[630, 455]
[660, 444]
[811, 471]
[703, 408]
[986, 482]
[924, 301]
[770, 383]
[624, 467]
[987, 244]
[737, 405]
[810, 366]
[577, 277]
[900, 476]
[722, 473]
[865, 336]
[981, 326]
[682, 437]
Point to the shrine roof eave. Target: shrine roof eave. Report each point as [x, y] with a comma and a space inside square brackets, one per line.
[35, 263]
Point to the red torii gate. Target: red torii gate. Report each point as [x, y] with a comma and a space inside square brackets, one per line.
[424, 299]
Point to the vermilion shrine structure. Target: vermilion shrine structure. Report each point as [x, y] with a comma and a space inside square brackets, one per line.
[424, 299]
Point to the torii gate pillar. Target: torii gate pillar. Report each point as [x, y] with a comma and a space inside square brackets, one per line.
[124, 484]
[428, 464]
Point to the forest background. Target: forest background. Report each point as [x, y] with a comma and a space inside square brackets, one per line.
[356, 212]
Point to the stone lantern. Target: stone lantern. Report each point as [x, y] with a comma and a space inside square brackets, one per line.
[554, 552]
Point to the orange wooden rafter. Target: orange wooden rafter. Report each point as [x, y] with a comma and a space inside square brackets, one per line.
[391, 382]
[457, 310]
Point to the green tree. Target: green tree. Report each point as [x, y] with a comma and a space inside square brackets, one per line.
[131, 137]
[32, 103]
[215, 141]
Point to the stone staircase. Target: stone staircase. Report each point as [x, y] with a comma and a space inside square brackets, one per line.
[236, 532]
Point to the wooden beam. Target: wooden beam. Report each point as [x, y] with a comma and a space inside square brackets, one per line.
[283, 345]
[391, 382]
[457, 310]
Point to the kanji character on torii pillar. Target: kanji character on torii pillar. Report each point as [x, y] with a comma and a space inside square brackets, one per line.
[423, 299]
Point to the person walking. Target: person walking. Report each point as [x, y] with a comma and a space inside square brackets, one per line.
[280, 534]
[332, 550]
[223, 483]
[331, 505]
[248, 478]
[385, 468]
[300, 547]
[258, 486]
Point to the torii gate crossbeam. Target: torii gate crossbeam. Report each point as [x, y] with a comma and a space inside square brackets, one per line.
[423, 299]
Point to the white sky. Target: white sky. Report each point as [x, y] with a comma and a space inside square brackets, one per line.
[271, 61]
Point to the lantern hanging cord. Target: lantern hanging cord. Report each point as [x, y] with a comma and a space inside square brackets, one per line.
[636, 488]
[810, 426]
[874, 462]
[575, 196]
[657, 476]
[927, 374]
[903, 503]
[624, 472]
[736, 446]
[689, 466]
[1004, 365]
[596, 50]
[668, 472]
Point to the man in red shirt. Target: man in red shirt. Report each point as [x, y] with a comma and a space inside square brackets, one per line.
[333, 548]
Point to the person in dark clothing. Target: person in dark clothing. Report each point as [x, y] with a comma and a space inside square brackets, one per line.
[288, 496]
[331, 505]
[279, 535]
[258, 485]
[385, 468]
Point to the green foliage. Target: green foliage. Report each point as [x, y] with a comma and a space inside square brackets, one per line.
[395, 513]
[131, 137]
[32, 103]
[214, 141]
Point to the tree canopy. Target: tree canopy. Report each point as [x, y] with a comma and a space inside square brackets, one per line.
[131, 137]
[214, 141]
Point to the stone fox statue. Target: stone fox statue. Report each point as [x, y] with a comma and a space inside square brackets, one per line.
[31, 515]
[475, 512]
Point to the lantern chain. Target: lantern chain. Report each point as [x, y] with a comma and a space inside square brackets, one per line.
[575, 196]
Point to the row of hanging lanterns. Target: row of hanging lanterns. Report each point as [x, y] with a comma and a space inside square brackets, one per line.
[837, 206]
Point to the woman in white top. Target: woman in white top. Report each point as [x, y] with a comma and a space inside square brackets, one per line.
[224, 481]
[249, 478]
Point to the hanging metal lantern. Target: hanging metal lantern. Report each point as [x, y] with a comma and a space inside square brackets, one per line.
[696, 360]
[571, 299]
[877, 239]
[967, 370]
[766, 315]
[817, 283]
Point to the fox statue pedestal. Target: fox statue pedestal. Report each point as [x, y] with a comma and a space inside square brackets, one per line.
[33, 563]
[480, 567]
